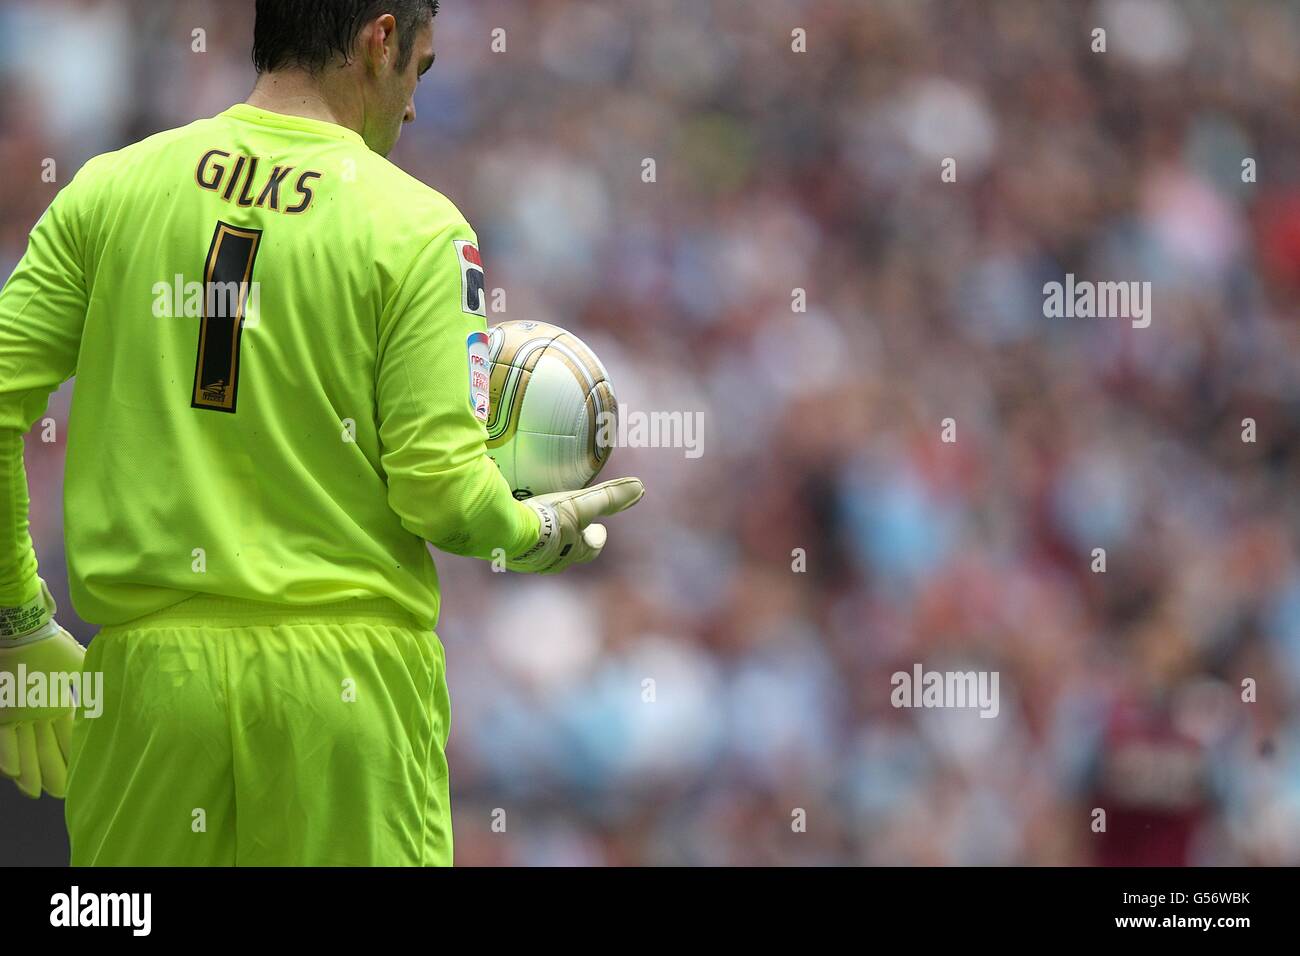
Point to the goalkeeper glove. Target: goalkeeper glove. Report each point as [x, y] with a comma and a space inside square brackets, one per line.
[34, 741]
[568, 535]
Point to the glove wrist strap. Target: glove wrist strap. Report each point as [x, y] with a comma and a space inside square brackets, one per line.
[19, 622]
[547, 535]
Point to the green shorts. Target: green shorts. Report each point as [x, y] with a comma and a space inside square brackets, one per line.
[239, 734]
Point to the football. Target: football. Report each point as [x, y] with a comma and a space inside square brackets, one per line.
[549, 395]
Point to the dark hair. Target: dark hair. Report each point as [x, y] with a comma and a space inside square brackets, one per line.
[311, 33]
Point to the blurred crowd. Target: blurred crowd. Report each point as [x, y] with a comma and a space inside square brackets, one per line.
[716, 689]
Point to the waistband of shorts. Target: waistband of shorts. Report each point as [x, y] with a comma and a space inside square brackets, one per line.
[211, 611]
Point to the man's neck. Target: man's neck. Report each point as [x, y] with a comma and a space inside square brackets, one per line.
[297, 93]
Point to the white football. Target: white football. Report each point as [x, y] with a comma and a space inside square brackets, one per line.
[553, 415]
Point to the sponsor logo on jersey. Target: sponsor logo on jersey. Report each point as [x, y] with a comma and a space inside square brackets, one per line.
[472, 293]
[480, 374]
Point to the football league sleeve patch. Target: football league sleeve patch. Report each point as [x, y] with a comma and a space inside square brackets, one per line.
[480, 374]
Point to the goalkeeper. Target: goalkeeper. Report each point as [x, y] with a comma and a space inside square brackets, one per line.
[250, 485]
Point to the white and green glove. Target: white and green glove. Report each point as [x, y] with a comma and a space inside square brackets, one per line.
[34, 741]
[568, 535]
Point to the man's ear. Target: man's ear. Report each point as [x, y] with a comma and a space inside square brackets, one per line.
[377, 42]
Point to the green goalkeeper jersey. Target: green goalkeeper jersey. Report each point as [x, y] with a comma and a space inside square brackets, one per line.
[281, 388]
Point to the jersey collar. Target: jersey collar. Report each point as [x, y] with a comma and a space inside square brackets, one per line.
[253, 114]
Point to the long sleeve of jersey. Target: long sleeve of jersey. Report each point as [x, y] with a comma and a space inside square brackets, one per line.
[441, 482]
[42, 310]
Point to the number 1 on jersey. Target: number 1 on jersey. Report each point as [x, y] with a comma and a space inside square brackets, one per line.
[226, 277]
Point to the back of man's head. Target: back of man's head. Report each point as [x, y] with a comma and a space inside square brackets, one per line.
[313, 34]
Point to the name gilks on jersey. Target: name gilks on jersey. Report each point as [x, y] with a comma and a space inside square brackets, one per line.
[236, 178]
